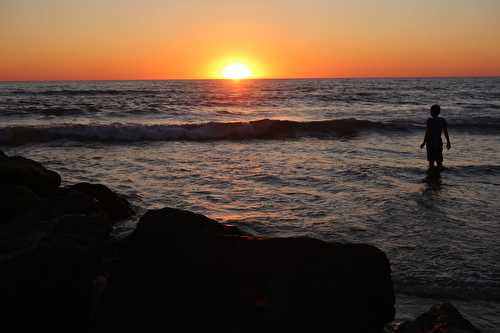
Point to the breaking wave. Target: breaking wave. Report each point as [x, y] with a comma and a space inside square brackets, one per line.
[265, 129]
[122, 132]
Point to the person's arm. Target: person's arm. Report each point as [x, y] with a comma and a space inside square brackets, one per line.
[425, 136]
[445, 130]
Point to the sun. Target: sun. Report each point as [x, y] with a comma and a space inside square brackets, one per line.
[236, 71]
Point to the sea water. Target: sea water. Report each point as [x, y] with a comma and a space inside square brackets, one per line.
[337, 160]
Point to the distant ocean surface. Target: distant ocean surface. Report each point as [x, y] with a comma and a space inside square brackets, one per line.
[338, 160]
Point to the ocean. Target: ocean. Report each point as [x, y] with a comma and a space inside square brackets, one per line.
[337, 160]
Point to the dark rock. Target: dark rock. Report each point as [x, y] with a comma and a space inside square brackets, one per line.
[440, 318]
[80, 232]
[180, 223]
[310, 283]
[48, 287]
[162, 263]
[68, 201]
[115, 206]
[17, 200]
[52, 244]
[180, 268]
[22, 233]
[2, 155]
[20, 171]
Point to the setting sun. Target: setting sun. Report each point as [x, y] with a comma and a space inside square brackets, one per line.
[236, 72]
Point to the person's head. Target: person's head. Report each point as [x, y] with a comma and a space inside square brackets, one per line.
[435, 110]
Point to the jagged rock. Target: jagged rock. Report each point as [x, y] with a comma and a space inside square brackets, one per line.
[114, 205]
[209, 276]
[20, 171]
[440, 318]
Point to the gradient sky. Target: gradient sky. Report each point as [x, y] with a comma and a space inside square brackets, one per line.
[166, 39]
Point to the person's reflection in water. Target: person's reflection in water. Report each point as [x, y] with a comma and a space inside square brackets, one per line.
[433, 180]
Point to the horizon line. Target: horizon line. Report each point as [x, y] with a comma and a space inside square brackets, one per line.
[270, 78]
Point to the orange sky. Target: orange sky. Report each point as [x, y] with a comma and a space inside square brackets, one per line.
[190, 39]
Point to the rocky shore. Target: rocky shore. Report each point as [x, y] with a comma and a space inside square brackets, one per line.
[61, 271]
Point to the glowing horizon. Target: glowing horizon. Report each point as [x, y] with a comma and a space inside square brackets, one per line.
[195, 39]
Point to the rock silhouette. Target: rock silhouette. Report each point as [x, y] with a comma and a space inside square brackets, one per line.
[181, 268]
[440, 318]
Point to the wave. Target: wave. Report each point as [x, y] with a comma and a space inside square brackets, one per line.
[477, 124]
[265, 129]
[120, 132]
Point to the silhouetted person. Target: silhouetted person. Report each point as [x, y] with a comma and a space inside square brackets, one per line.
[435, 126]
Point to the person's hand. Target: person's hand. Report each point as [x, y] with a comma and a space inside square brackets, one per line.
[448, 146]
[422, 145]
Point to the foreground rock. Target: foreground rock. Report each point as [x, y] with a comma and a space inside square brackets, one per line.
[48, 285]
[20, 171]
[181, 269]
[16, 200]
[27, 186]
[440, 318]
[115, 206]
[52, 244]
